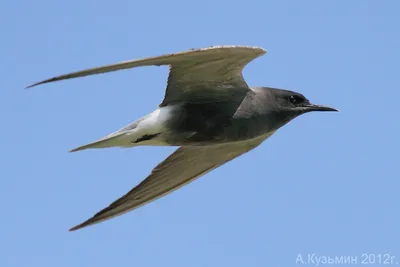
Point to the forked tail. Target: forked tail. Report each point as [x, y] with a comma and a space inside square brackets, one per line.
[108, 141]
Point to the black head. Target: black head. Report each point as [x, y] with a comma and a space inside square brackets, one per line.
[294, 102]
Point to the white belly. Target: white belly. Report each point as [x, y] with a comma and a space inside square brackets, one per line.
[148, 130]
[151, 124]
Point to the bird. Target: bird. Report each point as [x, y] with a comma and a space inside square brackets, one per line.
[208, 111]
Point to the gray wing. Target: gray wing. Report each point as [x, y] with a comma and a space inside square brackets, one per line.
[195, 75]
[181, 167]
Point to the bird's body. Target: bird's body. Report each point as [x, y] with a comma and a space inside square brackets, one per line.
[208, 111]
[198, 124]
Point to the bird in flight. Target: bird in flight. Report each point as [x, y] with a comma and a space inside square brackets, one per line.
[208, 111]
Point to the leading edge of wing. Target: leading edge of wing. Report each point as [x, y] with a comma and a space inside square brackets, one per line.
[156, 61]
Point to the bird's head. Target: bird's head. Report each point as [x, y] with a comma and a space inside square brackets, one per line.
[292, 102]
[281, 106]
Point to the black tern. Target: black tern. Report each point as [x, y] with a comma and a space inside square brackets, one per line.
[208, 111]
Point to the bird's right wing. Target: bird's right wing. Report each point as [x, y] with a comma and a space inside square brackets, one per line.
[197, 75]
[181, 167]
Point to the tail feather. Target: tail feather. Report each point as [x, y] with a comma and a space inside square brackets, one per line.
[108, 141]
[145, 131]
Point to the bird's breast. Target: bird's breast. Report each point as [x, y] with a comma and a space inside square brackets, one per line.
[213, 123]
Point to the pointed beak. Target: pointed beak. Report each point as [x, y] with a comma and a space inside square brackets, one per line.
[312, 107]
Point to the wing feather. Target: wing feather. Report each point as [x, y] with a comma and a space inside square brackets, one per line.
[181, 167]
[195, 75]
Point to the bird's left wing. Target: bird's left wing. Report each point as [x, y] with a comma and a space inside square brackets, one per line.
[198, 75]
[181, 167]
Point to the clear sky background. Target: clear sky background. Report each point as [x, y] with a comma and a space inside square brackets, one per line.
[326, 183]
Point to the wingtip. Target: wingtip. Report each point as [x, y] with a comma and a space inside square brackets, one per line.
[54, 79]
[89, 222]
[35, 84]
[73, 229]
[30, 86]
[79, 148]
[77, 227]
[82, 225]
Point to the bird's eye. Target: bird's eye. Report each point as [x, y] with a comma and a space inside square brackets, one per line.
[295, 99]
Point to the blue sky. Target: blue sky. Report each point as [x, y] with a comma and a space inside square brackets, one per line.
[326, 183]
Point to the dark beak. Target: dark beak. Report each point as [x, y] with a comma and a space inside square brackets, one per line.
[312, 107]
